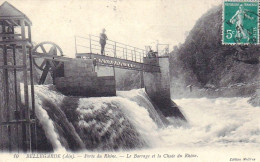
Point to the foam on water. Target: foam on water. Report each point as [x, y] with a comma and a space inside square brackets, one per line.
[43, 93]
[47, 124]
[104, 118]
[221, 122]
[140, 97]
[136, 114]
[215, 122]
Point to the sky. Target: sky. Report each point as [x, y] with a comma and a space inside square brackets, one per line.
[134, 22]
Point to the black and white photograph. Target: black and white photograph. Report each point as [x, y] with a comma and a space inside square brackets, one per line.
[129, 80]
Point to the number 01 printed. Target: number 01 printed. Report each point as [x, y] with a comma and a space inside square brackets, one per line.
[240, 22]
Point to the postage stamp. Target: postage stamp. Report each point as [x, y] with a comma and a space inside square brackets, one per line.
[240, 22]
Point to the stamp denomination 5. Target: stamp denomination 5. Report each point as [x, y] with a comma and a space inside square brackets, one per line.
[240, 22]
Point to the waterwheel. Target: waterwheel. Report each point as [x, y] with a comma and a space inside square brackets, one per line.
[44, 55]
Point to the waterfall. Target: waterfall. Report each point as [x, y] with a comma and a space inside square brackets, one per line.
[97, 123]
[43, 117]
[129, 121]
[142, 99]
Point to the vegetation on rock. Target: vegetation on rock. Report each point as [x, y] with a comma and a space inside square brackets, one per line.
[204, 62]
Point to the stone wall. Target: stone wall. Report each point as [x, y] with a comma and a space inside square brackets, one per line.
[80, 79]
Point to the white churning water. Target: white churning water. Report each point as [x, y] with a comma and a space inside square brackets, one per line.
[221, 122]
[215, 123]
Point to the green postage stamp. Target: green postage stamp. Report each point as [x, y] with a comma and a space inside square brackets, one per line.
[240, 22]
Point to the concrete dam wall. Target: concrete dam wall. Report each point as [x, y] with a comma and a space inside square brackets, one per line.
[157, 86]
[77, 77]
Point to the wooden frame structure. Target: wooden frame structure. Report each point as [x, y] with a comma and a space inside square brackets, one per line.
[17, 120]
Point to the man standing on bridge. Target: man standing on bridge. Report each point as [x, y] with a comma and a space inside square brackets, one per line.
[102, 41]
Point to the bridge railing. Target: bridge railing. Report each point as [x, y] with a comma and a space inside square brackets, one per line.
[115, 49]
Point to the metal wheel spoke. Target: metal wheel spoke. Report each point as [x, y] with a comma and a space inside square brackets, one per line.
[43, 63]
[43, 49]
[52, 64]
[52, 51]
[55, 50]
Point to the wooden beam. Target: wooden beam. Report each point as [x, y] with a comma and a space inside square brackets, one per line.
[44, 73]
[13, 21]
[29, 34]
[16, 97]
[10, 35]
[8, 22]
[26, 94]
[18, 121]
[34, 137]
[6, 92]
[50, 57]
[17, 42]
[26, 21]
[12, 67]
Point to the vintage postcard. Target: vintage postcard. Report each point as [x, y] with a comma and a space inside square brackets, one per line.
[129, 80]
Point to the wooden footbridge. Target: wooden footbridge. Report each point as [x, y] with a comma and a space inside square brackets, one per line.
[116, 54]
[48, 56]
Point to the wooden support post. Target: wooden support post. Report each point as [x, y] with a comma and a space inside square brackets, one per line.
[75, 38]
[1, 132]
[143, 57]
[3, 28]
[140, 55]
[15, 77]
[135, 54]
[90, 45]
[44, 73]
[123, 53]
[132, 55]
[33, 101]
[26, 94]
[126, 52]
[157, 47]
[29, 34]
[6, 94]
[115, 50]
[32, 91]
[16, 99]
[2, 136]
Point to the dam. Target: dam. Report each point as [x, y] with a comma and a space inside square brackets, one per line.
[75, 90]
[112, 104]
